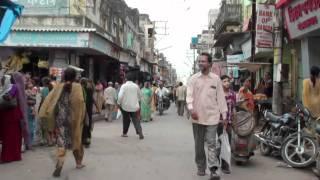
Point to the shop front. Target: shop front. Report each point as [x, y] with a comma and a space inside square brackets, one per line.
[303, 23]
[37, 50]
[302, 19]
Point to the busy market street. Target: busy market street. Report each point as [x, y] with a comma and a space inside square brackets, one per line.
[159, 89]
[167, 152]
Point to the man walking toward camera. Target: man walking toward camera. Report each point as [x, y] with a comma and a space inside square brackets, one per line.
[206, 102]
[181, 98]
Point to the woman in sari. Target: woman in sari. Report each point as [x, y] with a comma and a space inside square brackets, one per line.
[153, 100]
[19, 81]
[146, 93]
[98, 97]
[10, 122]
[31, 102]
[247, 96]
[45, 128]
[66, 104]
[88, 88]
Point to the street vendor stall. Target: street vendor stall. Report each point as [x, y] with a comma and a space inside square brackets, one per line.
[261, 101]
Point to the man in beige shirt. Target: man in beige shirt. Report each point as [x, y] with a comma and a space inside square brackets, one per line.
[110, 97]
[181, 98]
[206, 102]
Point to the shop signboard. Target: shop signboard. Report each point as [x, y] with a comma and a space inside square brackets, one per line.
[44, 7]
[302, 17]
[194, 42]
[264, 25]
[46, 39]
[235, 58]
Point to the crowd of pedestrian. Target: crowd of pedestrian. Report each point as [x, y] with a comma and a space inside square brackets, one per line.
[44, 112]
[20, 126]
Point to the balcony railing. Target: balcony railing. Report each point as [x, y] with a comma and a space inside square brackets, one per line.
[230, 14]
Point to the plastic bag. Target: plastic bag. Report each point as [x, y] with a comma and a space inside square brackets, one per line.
[225, 153]
[119, 114]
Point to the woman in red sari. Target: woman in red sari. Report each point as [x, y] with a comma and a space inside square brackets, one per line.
[10, 123]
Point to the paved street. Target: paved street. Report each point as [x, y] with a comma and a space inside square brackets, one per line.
[165, 154]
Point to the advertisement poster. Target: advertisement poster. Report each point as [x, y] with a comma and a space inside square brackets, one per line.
[264, 25]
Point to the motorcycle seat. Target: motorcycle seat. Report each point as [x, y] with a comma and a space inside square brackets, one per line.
[272, 117]
[277, 121]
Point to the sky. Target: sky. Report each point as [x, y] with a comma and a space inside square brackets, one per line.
[186, 19]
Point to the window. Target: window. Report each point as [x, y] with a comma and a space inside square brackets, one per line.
[150, 32]
[103, 21]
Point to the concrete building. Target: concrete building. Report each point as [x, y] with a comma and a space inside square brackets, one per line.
[101, 36]
[147, 35]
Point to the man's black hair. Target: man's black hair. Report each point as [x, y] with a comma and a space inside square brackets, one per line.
[209, 57]
[225, 77]
[131, 76]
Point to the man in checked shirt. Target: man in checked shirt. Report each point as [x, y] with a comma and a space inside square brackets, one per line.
[206, 101]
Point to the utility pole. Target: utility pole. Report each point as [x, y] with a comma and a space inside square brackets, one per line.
[253, 39]
[277, 107]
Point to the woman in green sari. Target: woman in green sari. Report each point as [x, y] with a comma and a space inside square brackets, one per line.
[146, 93]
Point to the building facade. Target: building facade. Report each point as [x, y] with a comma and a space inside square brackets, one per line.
[103, 37]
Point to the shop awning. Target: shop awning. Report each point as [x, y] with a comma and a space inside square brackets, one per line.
[281, 3]
[52, 29]
[250, 66]
[225, 39]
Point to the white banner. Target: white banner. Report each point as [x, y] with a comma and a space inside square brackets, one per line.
[264, 25]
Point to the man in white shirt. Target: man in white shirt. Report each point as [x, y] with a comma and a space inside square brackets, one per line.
[207, 103]
[129, 101]
[110, 96]
[181, 98]
[162, 91]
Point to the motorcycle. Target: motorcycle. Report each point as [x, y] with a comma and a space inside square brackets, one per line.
[243, 143]
[163, 104]
[286, 135]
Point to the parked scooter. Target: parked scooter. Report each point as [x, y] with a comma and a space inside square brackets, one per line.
[286, 135]
[243, 143]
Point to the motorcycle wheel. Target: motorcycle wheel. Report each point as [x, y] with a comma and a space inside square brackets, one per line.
[299, 157]
[265, 150]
